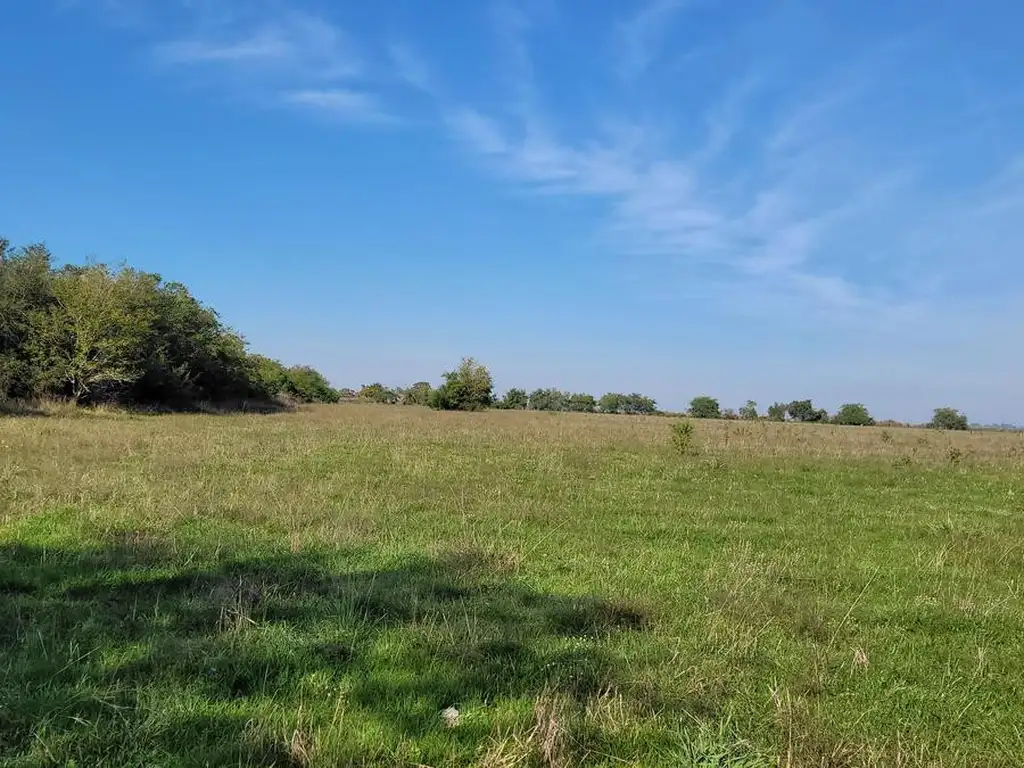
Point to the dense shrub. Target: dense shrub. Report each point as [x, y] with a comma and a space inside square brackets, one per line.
[468, 388]
[377, 393]
[417, 394]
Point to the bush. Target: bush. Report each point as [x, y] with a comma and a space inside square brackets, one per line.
[682, 437]
[377, 393]
[468, 388]
[308, 385]
[417, 394]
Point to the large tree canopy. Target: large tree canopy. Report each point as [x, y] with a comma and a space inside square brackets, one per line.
[96, 334]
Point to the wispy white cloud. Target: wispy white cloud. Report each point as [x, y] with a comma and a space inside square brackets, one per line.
[639, 39]
[341, 104]
[413, 70]
[262, 47]
[293, 43]
[766, 183]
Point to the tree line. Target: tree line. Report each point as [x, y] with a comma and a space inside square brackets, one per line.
[804, 411]
[470, 387]
[96, 334]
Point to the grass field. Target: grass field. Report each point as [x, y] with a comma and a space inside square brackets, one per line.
[314, 588]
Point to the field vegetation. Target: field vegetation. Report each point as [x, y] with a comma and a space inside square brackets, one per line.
[370, 585]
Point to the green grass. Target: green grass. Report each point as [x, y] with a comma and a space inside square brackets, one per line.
[315, 588]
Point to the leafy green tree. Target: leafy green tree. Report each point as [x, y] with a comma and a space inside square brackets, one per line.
[417, 394]
[610, 402]
[548, 400]
[191, 356]
[749, 411]
[377, 393]
[468, 388]
[91, 342]
[854, 415]
[24, 291]
[804, 411]
[948, 418]
[91, 333]
[777, 412]
[515, 400]
[581, 403]
[705, 407]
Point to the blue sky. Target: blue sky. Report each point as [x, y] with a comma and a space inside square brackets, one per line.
[767, 199]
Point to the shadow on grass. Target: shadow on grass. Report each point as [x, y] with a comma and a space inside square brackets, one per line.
[19, 408]
[130, 655]
[68, 409]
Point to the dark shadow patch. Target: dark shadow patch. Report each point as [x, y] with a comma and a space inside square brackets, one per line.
[593, 617]
[335, 654]
[83, 632]
[16, 587]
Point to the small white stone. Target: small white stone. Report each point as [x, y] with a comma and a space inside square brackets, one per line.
[450, 716]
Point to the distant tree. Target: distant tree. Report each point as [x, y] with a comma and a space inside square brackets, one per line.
[729, 414]
[948, 418]
[632, 404]
[468, 388]
[804, 411]
[417, 394]
[854, 415]
[377, 393]
[749, 411]
[582, 403]
[347, 393]
[514, 400]
[777, 412]
[705, 407]
[637, 405]
[548, 400]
